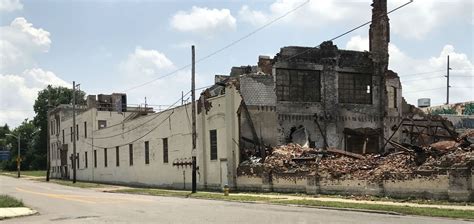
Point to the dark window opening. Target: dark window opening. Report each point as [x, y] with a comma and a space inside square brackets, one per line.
[102, 124]
[72, 134]
[63, 136]
[298, 85]
[213, 138]
[355, 88]
[130, 154]
[147, 153]
[77, 131]
[85, 159]
[105, 157]
[165, 150]
[117, 156]
[85, 129]
[95, 158]
[361, 141]
[77, 159]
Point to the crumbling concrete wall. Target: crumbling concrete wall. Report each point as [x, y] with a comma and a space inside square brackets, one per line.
[455, 186]
[328, 117]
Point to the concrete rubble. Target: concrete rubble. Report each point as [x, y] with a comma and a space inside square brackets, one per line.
[401, 163]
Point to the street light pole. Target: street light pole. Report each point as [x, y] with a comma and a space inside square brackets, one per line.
[18, 158]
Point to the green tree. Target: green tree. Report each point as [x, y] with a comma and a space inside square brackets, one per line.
[28, 135]
[48, 98]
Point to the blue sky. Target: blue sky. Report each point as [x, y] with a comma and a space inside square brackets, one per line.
[111, 45]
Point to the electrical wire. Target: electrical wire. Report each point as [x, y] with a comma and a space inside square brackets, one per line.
[222, 48]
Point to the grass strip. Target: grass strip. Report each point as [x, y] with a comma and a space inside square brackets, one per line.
[433, 212]
[34, 173]
[422, 211]
[8, 202]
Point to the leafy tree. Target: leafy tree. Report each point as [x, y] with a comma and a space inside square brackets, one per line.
[48, 98]
[3, 131]
[28, 135]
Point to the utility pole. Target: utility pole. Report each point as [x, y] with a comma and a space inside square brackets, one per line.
[48, 142]
[447, 82]
[193, 105]
[73, 132]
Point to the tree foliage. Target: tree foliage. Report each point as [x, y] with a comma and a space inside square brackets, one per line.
[49, 98]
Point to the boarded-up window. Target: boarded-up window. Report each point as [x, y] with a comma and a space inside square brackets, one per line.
[355, 88]
[392, 97]
[117, 156]
[105, 157]
[130, 154]
[298, 85]
[147, 152]
[213, 140]
[165, 150]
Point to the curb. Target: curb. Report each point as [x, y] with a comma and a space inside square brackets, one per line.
[21, 214]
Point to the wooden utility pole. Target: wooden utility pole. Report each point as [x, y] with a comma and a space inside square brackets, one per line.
[447, 82]
[48, 143]
[74, 132]
[193, 112]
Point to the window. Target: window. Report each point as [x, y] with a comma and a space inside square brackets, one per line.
[95, 158]
[102, 124]
[77, 159]
[298, 85]
[105, 157]
[72, 135]
[130, 153]
[355, 88]
[165, 150]
[52, 128]
[117, 156]
[77, 131]
[63, 136]
[85, 129]
[147, 152]
[213, 138]
[392, 97]
[85, 159]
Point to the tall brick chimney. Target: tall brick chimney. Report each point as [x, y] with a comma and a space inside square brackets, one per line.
[379, 32]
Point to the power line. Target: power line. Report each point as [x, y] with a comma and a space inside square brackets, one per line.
[223, 48]
[423, 73]
[424, 90]
[350, 31]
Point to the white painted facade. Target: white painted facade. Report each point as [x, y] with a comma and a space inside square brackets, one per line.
[172, 124]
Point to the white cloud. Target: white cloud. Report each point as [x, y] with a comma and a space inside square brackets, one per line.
[424, 77]
[145, 63]
[20, 77]
[10, 5]
[203, 20]
[20, 42]
[312, 14]
[415, 20]
[18, 93]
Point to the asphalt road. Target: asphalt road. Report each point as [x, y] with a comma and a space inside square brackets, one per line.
[62, 204]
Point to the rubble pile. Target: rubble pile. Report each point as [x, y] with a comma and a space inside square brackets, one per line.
[401, 164]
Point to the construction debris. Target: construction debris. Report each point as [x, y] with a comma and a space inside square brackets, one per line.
[403, 164]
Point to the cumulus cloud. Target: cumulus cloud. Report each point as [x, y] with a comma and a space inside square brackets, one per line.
[10, 5]
[424, 77]
[18, 93]
[203, 20]
[20, 43]
[416, 20]
[20, 77]
[143, 62]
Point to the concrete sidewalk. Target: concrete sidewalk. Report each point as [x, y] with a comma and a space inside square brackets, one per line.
[16, 212]
[343, 200]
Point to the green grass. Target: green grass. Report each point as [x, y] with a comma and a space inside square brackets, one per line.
[34, 173]
[435, 212]
[8, 201]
